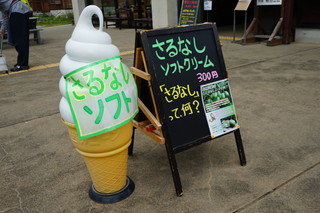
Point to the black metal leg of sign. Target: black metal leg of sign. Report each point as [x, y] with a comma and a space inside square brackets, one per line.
[174, 170]
[130, 150]
[241, 153]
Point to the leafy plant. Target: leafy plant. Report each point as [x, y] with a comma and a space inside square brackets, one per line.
[51, 20]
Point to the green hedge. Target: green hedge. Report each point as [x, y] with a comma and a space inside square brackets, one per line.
[50, 20]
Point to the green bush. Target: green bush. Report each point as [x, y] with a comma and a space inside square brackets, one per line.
[51, 20]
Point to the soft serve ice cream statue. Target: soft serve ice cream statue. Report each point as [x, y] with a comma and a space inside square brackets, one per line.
[99, 100]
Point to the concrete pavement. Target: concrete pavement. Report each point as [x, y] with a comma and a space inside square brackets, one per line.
[277, 97]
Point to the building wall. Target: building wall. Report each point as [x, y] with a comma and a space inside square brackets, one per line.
[164, 13]
[307, 13]
[48, 5]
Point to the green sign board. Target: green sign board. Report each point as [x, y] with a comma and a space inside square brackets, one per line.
[102, 96]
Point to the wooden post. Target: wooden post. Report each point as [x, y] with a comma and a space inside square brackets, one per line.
[240, 148]
[288, 30]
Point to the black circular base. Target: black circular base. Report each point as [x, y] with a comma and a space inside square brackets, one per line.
[125, 192]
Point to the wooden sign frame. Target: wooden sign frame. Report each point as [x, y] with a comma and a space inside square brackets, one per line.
[150, 118]
[258, 31]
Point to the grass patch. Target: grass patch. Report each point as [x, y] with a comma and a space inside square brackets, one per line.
[50, 20]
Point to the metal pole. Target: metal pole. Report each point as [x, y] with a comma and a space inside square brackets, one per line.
[240, 148]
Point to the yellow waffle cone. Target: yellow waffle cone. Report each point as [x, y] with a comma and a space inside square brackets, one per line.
[106, 156]
[105, 142]
[108, 170]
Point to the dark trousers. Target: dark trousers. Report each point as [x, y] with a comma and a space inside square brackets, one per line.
[19, 36]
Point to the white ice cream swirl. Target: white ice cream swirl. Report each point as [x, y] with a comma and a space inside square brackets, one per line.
[86, 45]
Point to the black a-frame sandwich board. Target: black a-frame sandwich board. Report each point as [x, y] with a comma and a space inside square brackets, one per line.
[172, 107]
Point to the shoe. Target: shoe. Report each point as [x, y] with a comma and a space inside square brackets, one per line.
[18, 68]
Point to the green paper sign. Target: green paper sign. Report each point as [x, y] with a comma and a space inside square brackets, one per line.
[219, 108]
[102, 96]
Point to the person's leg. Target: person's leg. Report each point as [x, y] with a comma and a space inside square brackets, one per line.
[19, 32]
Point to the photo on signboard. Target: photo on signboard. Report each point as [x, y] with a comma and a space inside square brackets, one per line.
[219, 108]
[229, 123]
